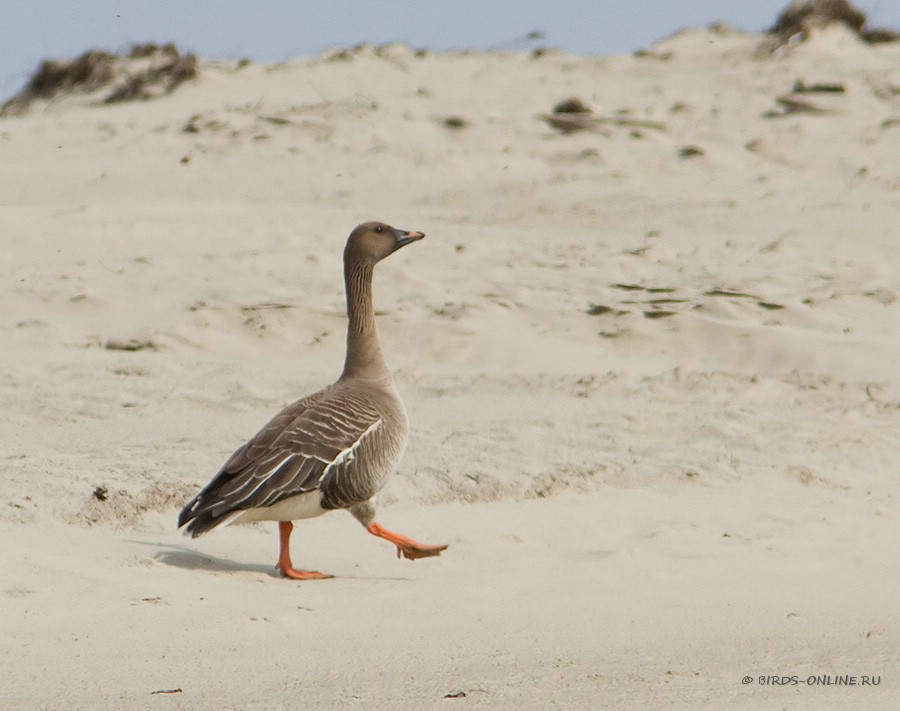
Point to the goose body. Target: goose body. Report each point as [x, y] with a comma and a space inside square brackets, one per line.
[334, 449]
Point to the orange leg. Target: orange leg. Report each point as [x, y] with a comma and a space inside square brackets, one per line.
[284, 556]
[406, 547]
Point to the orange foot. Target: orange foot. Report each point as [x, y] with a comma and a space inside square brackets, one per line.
[406, 547]
[294, 574]
[284, 557]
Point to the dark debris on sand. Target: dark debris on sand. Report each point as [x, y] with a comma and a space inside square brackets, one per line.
[147, 71]
[573, 105]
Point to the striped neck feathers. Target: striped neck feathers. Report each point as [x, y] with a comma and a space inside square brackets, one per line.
[364, 356]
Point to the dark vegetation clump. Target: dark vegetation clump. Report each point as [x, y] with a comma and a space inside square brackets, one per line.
[805, 15]
[140, 51]
[85, 73]
[145, 72]
[573, 105]
[880, 34]
[689, 152]
[156, 80]
[455, 122]
[572, 115]
[801, 17]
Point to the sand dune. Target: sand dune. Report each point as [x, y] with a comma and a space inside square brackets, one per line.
[651, 364]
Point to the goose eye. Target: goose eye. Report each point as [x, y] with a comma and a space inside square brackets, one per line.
[379, 229]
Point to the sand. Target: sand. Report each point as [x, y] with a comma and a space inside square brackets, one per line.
[652, 369]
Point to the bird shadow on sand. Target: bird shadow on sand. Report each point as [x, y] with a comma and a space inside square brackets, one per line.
[192, 560]
[188, 559]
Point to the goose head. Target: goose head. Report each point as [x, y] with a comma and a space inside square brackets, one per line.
[373, 241]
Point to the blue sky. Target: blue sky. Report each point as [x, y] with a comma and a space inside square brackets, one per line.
[270, 31]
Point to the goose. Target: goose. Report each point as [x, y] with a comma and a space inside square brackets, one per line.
[334, 449]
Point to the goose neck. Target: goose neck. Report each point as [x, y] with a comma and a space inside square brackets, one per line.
[364, 355]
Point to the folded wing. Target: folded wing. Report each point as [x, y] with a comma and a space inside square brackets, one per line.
[294, 453]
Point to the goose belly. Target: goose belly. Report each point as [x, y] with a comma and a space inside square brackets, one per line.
[293, 508]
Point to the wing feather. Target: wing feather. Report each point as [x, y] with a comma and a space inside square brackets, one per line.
[291, 455]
